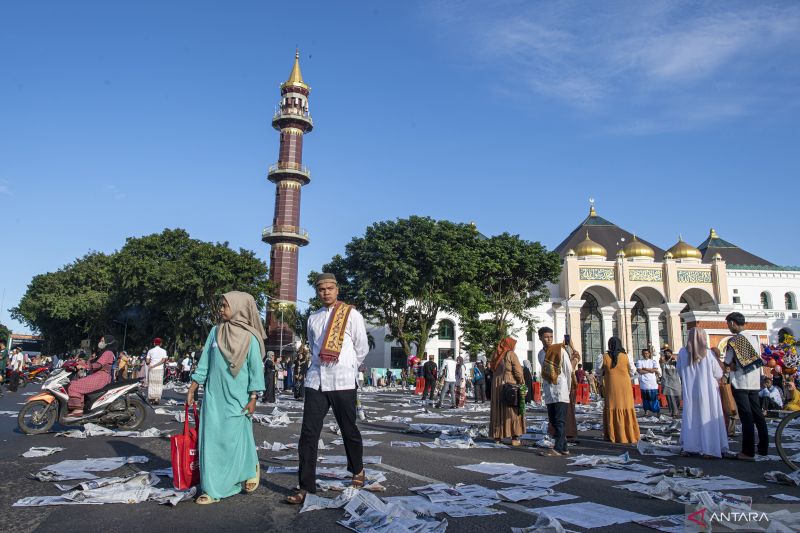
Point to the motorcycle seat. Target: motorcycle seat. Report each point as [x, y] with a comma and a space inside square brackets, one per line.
[90, 398]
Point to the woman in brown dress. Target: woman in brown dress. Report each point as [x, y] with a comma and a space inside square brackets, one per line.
[504, 421]
[619, 417]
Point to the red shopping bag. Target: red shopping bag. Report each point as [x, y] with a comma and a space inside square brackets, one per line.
[185, 459]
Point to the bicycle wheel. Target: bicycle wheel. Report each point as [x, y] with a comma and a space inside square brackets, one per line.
[787, 440]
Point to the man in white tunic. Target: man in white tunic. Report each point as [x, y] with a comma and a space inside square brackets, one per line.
[743, 359]
[337, 335]
[703, 428]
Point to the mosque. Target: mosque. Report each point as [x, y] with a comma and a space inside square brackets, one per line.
[615, 283]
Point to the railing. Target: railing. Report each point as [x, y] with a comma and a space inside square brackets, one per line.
[292, 112]
[284, 229]
[288, 165]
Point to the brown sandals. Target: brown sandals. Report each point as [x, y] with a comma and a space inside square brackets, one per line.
[359, 480]
[298, 498]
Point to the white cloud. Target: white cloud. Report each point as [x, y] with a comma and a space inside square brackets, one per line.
[667, 65]
[4, 188]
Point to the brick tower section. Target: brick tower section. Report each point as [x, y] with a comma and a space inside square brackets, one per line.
[285, 235]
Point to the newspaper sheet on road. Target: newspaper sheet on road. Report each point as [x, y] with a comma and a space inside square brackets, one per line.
[81, 468]
[42, 451]
[590, 515]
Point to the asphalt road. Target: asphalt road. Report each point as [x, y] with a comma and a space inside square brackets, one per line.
[264, 510]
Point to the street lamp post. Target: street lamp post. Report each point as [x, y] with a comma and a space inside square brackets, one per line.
[621, 242]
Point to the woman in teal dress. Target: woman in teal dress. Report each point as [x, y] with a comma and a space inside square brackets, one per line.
[232, 372]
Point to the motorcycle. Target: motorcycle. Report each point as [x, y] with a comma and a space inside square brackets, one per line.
[116, 405]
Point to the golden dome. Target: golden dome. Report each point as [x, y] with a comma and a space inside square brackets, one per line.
[570, 253]
[684, 250]
[590, 248]
[637, 248]
[668, 255]
[295, 78]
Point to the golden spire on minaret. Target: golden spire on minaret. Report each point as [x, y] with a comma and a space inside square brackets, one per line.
[296, 78]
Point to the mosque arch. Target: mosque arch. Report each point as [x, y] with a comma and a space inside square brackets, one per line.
[698, 300]
[640, 326]
[650, 298]
[603, 295]
[591, 326]
[766, 300]
[790, 300]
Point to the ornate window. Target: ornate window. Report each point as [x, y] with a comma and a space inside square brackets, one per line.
[447, 330]
[591, 328]
[790, 301]
[766, 300]
[640, 328]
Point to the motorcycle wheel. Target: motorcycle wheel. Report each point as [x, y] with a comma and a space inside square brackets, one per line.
[138, 412]
[37, 417]
[23, 380]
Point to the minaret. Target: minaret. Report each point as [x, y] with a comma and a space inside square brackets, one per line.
[292, 120]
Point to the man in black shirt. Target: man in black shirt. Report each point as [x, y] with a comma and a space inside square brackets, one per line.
[429, 373]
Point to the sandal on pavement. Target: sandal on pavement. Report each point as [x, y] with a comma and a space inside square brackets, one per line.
[252, 484]
[516, 442]
[742, 457]
[298, 498]
[550, 453]
[359, 479]
[205, 499]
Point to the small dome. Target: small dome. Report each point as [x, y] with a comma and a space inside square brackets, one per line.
[590, 248]
[570, 253]
[621, 253]
[668, 255]
[684, 250]
[638, 249]
[717, 257]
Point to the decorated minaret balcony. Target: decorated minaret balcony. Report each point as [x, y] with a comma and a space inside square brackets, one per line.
[289, 170]
[284, 233]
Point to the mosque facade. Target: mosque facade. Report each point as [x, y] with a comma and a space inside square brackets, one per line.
[615, 283]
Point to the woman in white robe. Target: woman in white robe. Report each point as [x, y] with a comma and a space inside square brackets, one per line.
[703, 422]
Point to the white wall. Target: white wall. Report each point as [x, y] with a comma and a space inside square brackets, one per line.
[748, 285]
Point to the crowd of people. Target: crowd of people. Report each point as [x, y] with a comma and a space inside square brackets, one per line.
[706, 388]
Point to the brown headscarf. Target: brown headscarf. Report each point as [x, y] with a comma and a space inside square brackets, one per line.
[506, 345]
[697, 344]
[233, 336]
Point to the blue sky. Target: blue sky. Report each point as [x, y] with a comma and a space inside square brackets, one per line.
[120, 120]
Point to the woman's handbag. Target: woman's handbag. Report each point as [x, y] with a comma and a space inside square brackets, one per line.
[728, 403]
[185, 458]
[510, 395]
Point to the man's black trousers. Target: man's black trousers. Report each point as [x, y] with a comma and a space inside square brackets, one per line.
[315, 408]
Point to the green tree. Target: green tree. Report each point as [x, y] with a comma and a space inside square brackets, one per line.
[171, 284]
[513, 280]
[70, 304]
[402, 273]
[5, 333]
[165, 284]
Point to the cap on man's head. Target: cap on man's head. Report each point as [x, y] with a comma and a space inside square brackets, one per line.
[736, 317]
[325, 277]
[157, 341]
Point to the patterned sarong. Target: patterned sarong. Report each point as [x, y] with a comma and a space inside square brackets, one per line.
[155, 383]
[334, 336]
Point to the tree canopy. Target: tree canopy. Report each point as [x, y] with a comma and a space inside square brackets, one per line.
[402, 273]
[164, 285]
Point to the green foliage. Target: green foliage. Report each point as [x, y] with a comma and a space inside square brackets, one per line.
[165, 285]
[5, 333]
[402, 273]
[513, 280]
[70, 304]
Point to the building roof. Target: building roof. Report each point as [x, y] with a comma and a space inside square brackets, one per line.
[604, 233]
[732, 254]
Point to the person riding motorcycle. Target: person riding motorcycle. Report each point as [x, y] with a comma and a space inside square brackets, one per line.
[99, 375]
